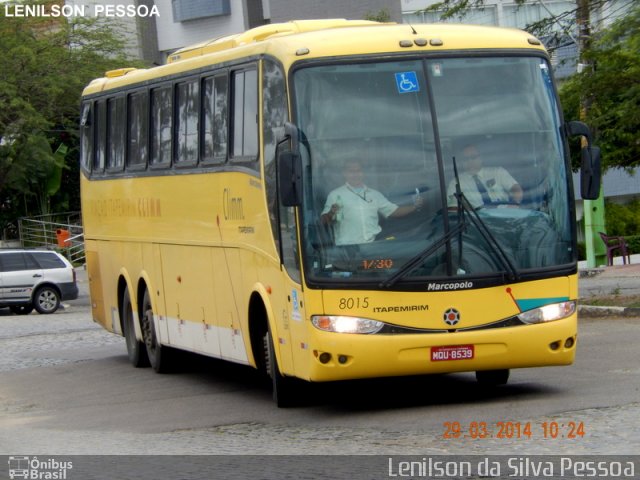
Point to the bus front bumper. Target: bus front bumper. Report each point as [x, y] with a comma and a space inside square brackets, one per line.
[338, 356]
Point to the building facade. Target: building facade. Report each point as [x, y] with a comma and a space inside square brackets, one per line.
[186, 22]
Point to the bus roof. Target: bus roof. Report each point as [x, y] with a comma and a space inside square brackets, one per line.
[294, 40]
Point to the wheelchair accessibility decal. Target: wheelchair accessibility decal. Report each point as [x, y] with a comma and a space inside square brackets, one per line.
[407, 82]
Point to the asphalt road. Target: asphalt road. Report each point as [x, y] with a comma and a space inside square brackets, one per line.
[66, 388]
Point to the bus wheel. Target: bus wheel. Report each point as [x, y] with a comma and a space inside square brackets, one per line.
[135, 348]
[158, 355]
[492, 378]
[283, 392]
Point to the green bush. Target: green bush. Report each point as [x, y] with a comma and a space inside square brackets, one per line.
[633, 243]
[623, 219]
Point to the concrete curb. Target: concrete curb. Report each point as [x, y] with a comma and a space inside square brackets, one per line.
[596, 311]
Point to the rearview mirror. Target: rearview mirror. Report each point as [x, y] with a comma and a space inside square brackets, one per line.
[290, 179]
[590, 170]
[590, 174]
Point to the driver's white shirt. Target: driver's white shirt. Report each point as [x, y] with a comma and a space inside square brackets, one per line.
[357, 218]
[496, 180]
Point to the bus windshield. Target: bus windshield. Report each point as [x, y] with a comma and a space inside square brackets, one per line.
[432, 168]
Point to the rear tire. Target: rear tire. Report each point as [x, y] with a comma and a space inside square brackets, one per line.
[492, 378]
[135, 349]
[159, 356]
[46, 300]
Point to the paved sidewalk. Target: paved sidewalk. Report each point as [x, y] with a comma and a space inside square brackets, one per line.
[618, 279]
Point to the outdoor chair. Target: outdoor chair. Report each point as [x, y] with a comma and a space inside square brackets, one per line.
[614, 243]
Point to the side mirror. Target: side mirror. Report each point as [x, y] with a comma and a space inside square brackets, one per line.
[590, 173]
[290, 179]
[590, 170]
[576, 128]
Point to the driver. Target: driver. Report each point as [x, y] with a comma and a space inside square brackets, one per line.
[484, 186]
[353, 208]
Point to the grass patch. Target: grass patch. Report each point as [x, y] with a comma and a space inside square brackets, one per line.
[612, 301]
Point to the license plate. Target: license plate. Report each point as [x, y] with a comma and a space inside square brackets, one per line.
[452, 352]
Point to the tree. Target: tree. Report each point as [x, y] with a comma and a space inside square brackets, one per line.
[613, 91]
[381, 16]
[46, 62]
[611, 88]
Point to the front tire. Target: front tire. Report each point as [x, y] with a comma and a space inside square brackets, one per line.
[46, 300]
[283, 388]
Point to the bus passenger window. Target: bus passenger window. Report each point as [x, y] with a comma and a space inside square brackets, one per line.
[116, 133]
[86, 132]
[245, 114]
[138, 130]
[188, 106]
[100, 136]
[215, 107]
[161, 125]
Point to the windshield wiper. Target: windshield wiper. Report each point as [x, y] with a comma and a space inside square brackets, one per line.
[495, 246]
[412, 264]
[464, 209]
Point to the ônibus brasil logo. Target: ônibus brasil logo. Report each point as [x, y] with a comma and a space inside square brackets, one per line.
[34, 468]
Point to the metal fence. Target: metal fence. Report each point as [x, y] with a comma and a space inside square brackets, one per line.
[61, 231]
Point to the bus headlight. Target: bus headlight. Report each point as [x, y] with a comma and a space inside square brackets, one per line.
[342, 324]
[549, 313]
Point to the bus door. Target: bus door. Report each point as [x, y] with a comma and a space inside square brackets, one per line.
[290, 316]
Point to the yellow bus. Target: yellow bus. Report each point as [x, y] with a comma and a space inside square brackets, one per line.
[297, 198]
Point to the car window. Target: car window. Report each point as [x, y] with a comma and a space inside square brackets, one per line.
[48, 260]
[12, 262]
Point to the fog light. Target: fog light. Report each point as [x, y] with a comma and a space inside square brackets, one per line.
[554, 345]
[342, 359]
[324, 357]
[569, 342]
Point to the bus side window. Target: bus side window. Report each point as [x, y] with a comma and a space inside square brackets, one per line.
[245, 115]
[215, 107]
[100, 136]
[138, 148]
[161, 126]
[86, 137]
[187, 122]
[115, 133]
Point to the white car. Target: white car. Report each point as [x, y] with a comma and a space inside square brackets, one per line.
[38, 279]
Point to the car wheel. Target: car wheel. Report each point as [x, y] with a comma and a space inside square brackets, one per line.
[21, 309]
[46, 300]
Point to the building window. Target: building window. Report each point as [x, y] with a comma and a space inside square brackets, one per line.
[184, 10]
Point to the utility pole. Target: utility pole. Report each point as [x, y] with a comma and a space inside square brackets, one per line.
[594, 220]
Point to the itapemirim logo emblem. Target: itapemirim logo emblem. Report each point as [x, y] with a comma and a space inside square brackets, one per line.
[37, 469]
[451, 317]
